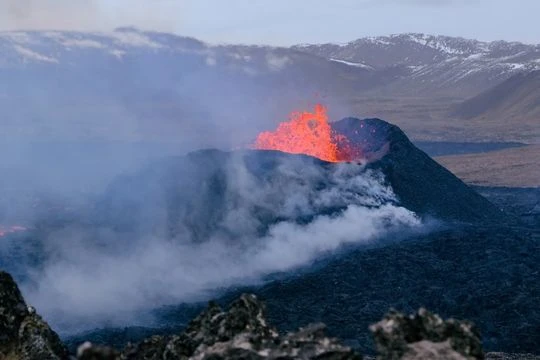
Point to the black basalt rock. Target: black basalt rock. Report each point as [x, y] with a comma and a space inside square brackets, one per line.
[23, 333]
[241, 332]
[421, 184]
[424, 335]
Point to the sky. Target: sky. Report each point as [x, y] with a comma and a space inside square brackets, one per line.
[283, 22]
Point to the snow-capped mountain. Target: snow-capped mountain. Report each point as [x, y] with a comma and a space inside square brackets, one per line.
[414, 63]
[70, 49]
[429, 63]
[118, 84]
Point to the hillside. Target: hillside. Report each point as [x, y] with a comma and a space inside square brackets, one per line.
[517, 100]
[438, 65]
[517, 96]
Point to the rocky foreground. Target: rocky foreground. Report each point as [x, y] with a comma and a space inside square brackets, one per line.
[241, 332]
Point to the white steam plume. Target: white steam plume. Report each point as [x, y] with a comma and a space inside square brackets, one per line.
[85, 286]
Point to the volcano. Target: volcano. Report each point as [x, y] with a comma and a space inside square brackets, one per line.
[199, 192]
[420, 183]
[183, 229]
[274, 216]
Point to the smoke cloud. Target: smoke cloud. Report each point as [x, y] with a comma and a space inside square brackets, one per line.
[101, 278]
[90, 14]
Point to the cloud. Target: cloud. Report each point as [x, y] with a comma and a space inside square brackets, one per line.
[89, 14]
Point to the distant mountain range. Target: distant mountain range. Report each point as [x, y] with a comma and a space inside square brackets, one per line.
[431, 62]
[427, 63]
[117, 85]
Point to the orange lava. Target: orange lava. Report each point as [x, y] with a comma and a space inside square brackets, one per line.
[306, 133]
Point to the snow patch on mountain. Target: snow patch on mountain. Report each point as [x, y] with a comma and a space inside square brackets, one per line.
[119, 54]
[355, 64]
[31, 55]
[17, 37]
[378, 41]
[84, 43]
[135, 39]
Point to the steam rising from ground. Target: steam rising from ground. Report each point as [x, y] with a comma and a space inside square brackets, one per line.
[100, 279]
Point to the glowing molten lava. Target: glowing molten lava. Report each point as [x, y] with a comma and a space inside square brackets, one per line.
[307, 133]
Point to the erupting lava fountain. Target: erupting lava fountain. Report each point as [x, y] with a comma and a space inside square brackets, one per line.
[311, 134]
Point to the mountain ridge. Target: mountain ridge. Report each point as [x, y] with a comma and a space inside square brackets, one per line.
[418, 56]
[438, 59]
[116, 85]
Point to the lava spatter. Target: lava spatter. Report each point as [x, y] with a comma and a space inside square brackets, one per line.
[308, 133]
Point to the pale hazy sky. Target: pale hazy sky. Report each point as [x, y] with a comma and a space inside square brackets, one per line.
[284, 22]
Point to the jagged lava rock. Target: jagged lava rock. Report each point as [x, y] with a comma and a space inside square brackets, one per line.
[239, 333]
[23, 333]
[426, 336]
[242, 332]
